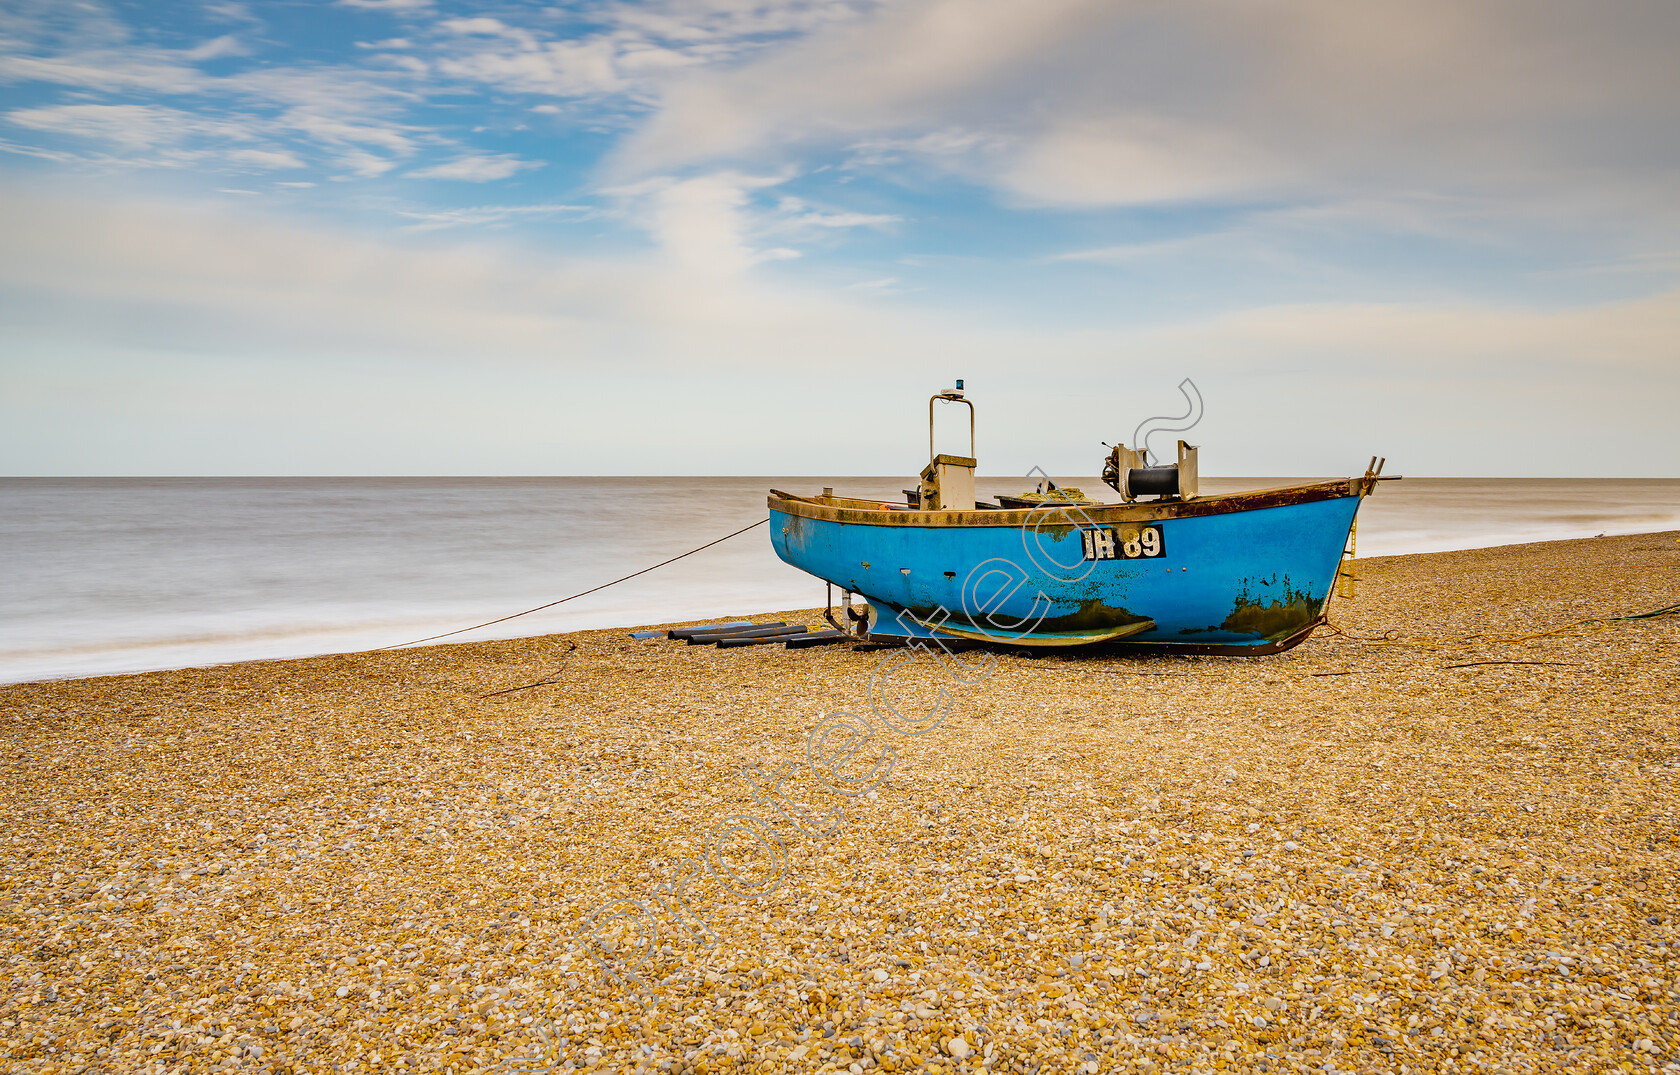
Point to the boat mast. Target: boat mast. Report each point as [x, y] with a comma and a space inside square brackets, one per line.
[951, 395]
[948, 480]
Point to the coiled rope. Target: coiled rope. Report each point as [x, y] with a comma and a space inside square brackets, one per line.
[574, 597]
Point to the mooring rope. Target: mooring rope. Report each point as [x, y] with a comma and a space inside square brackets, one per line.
[1392, 637]
[573, 597]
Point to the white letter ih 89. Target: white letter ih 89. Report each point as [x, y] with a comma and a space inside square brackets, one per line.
[1124, 543]
[1099, 544]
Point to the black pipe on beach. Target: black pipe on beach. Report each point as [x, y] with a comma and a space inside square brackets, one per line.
[766, 631]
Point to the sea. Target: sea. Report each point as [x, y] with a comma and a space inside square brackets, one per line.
[101, 576]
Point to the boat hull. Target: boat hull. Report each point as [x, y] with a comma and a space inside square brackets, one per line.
[1247, 573]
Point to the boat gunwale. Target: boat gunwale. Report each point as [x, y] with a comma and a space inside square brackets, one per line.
[869, 513]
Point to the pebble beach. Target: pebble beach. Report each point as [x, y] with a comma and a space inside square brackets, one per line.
[1438, 836]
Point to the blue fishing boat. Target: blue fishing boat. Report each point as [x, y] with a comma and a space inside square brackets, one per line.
[1167, 569]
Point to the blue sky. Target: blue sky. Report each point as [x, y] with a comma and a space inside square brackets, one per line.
[692, 236]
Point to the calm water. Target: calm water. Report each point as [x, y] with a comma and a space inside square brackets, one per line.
[121, 575]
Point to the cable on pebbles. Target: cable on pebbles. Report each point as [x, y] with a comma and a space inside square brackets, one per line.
[357, 863]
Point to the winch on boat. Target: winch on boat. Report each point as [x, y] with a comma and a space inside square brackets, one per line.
[1243, 573]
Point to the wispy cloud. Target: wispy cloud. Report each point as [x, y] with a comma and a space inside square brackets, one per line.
[362, 164]
[231, 11]
[558, 68]
[129, 126]
[335, 131]
[104, 71]
[161, 136]
[217, 48]
[433, 219]
[950, 142]
[266, 159]
[387, 5]
[886, 285]
[707, 225]
[482, 25]
[701, 224]
[1137, 161]
[481, 169]
[21, 150]
[798, 213]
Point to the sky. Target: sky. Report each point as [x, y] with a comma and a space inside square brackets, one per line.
[731, 237]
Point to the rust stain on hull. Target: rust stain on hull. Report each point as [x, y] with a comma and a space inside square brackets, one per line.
[1215, 649]
[1275, 620]
[1039, 638]
[1092, 622]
